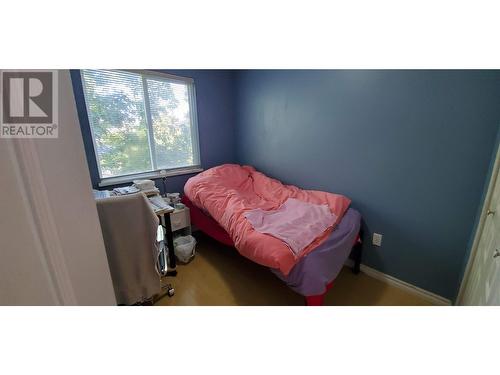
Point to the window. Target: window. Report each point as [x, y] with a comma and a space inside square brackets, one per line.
[141, 123]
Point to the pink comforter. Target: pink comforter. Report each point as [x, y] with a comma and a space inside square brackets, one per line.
[228, 191]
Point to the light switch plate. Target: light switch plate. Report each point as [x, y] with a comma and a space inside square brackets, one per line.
[377, 239]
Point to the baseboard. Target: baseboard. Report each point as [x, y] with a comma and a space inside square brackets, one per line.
[425, 294]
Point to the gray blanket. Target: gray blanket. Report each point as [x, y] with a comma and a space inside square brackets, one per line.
[129, 228]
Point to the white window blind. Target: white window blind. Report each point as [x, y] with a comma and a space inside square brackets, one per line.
[141, 122]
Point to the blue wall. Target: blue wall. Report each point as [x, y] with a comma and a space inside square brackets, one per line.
[214, 99]
[410, 148]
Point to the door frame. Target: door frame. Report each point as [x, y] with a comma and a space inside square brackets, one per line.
[480, 226]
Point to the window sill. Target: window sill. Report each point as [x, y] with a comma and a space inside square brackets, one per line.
[148, 175]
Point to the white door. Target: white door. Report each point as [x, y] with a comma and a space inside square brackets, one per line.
[51, 246]
[483, 283]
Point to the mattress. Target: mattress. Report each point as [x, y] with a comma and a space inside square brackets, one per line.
[314, 272]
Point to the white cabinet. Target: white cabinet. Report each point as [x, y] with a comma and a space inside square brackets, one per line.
[180, 220]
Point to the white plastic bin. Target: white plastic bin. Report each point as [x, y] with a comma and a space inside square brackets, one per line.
[184, 248]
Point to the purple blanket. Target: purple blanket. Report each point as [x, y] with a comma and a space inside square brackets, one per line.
[315, 271]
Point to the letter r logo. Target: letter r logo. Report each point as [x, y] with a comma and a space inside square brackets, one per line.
[27, 97]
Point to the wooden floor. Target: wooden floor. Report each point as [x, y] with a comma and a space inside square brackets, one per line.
[219, 276]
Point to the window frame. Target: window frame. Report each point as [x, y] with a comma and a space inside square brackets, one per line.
[155, 172]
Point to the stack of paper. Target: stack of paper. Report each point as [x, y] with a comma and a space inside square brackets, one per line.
[126, 190]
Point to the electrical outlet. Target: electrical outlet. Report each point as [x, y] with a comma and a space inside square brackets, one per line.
[377, 239]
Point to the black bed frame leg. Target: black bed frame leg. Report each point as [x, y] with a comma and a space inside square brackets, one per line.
[357, 252]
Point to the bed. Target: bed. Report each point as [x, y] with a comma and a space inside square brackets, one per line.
[216, 197]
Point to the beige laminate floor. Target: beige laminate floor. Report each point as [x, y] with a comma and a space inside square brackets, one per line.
[219, 276]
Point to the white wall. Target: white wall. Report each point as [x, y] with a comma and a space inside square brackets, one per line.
[24, 276]
[52, 250]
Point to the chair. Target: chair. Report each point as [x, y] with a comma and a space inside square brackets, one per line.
[129, 228]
